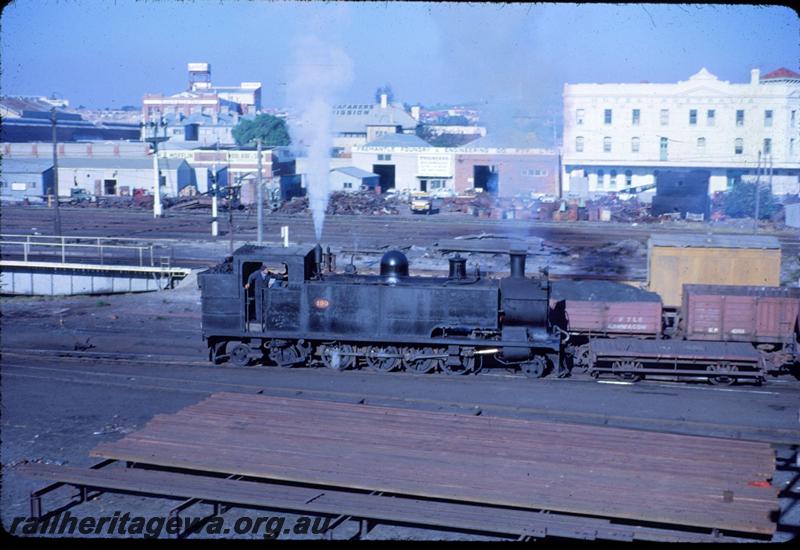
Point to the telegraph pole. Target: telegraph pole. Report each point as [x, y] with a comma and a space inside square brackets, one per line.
[260, 199]
[215, 191]
[57, 221]
[157, 213]
[758, 189]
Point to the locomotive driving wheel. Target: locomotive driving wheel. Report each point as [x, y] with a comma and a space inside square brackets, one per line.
[534, 368]
[419, 360]
[383, 359]
[627, 370]
[722, 374]
[338, 357]
[464, 366]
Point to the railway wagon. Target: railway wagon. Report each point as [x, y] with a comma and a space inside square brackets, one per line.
[387, 322]
[586, 309]
[767, 317]
[725, 333]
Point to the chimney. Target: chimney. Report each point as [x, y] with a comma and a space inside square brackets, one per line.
[415, 112]
[384, 101]
[754, 76]
[518, 263]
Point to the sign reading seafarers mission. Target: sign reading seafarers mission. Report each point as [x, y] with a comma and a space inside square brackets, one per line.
[434, 165]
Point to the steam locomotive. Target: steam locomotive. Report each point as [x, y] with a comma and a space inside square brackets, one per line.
[465, 321]
[389, 321]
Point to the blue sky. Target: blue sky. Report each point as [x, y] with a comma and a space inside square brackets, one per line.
[107, 54]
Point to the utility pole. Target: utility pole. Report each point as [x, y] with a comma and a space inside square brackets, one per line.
[758, 189]
[57, 213]
[215, 192]
[230, 213]
[155, 124]
[260, 199]
[769, 183]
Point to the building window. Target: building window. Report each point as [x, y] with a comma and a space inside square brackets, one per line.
[601, 178]
[768, 118]
[607, 116]
[348, 185]
[701, 144]
[767, 146]
[664, 144]
[793, 117]
[607, 144]
[613, 178]
[791, 146]
[635, 145]
[384, 157]
[664, 117]
[534, 172]
[693, 117]
[635, 117]
[628, 178]
[711, 117]
[579, 117]
[738, 147]
[740, 118]
[579, 144]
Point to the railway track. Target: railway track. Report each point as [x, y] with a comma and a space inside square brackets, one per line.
[113, 370]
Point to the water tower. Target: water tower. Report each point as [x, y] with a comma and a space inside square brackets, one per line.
[199, 76]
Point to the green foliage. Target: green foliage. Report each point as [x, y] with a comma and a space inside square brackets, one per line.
[272, 131]
[453, 120]
[444, 140]
[385, 89]
[740, 202]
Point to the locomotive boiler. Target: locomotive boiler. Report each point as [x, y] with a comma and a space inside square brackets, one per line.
[388, 321]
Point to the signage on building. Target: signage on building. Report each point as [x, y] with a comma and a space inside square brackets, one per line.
[434, 165]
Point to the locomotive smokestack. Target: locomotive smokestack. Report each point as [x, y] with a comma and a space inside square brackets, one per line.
[318, 258]
[518, 263]
[458, 267]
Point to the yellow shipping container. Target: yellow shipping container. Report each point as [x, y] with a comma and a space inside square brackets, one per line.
[679, 259]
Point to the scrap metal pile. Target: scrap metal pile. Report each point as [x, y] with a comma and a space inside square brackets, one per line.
[339, 202]
[602, 208]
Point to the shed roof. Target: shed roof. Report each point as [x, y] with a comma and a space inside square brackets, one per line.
[25, 166]
[356, 118]
[119, 163]
[355, 172]
[693, 240]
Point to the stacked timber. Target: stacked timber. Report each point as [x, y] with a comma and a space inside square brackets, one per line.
[661, 478]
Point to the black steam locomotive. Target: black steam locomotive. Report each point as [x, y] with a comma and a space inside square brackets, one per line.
[388, 322]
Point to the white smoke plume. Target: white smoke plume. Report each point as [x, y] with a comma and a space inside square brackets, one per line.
[319, 73]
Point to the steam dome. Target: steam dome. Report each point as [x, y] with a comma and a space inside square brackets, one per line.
[394, 264]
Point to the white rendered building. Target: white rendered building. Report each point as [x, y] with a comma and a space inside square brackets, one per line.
[618, 136]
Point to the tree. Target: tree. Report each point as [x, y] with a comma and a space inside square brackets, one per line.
[385, 89]
[272, 131]
[740, 202]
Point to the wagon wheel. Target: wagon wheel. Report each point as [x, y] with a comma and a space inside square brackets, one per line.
[722, 374]
[239, 353]
[415, 360]
[623, 370]
[466, 365]
[582, 357]
[338, 357]
[534, 368]
[383, 359]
